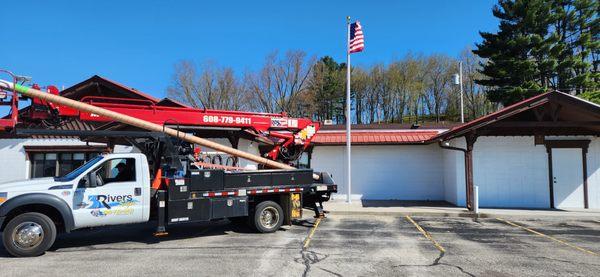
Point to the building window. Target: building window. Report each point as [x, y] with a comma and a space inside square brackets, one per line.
[57, 164]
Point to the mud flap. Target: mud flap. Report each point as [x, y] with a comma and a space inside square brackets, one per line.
[292, 207]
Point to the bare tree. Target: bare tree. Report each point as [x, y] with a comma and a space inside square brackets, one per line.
[213, 88]
[184, 87]
[360, 82]
[281, 81]
[437, 80]
[404, 79]
[476, 103]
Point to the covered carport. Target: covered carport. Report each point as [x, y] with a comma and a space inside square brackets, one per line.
[551, 138]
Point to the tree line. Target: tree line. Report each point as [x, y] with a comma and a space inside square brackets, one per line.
[412, 89]
[541, 45]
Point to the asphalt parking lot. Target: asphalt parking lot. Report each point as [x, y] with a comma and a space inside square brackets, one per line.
[341, 245]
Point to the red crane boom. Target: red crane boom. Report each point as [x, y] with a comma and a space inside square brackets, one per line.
[289, 136]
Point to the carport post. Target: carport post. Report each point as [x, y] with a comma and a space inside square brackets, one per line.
[470, 139]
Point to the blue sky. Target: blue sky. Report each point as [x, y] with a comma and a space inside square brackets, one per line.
[138, 42]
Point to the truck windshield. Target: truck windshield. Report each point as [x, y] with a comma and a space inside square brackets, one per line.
[73, 174]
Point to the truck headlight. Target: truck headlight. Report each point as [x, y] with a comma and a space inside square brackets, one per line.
[3, 197]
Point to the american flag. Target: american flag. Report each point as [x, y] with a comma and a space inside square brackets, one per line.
[357, 40]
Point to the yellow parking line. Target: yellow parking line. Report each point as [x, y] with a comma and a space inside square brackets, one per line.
[426, 234]
[548, 237]
[312, 232]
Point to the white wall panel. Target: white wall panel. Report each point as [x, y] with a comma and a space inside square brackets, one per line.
[13, 159]
[405, 172]
[454, 173]
[511, 172]
[593, 169]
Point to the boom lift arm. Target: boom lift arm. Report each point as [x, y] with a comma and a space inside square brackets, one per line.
[133, 121]
[289, 137]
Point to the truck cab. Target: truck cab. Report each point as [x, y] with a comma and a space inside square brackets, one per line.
[109, 189]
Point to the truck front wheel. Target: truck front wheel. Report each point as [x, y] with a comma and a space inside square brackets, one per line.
[29, 234]
[268, 217]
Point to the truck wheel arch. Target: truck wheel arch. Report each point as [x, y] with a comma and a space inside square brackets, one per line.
[37, 200]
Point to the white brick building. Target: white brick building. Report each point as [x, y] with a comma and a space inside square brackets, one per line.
[540, 153]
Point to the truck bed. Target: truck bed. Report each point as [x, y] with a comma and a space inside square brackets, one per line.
[209, 194]
[199, 182]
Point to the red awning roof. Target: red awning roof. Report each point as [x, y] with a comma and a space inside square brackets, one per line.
[374, 137]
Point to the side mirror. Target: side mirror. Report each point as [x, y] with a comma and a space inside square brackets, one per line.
[83, 182]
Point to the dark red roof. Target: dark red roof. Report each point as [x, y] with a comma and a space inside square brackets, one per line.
[168, 102]
[132, 90]
[394, 126]
[86, 88]
[367, 137]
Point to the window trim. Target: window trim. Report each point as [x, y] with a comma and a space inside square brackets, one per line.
[64, 148]
[102, 162]
[32, 160]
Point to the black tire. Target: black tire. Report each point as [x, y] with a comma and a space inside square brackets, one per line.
[272, 220]
[39, 241]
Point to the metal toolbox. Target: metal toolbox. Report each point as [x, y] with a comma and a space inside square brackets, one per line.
[179, 188]
[247, 179]
[206, 180]
[191, 210]
[292, 177]
[229, 207]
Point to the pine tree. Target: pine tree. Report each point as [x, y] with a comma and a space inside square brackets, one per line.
[585, 44]
[541, 45]
[327, 86]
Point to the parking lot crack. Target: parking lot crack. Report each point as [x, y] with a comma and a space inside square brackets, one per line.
[438, 262]
[308, 258]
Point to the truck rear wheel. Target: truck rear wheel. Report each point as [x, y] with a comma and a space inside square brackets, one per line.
[268, 217]
[29, 234]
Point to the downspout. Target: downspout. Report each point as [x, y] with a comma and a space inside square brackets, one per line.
[442, 145]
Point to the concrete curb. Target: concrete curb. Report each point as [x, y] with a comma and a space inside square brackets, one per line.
[469, 215]
[432, 214]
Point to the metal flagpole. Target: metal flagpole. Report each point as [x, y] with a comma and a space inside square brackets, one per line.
[348, 117]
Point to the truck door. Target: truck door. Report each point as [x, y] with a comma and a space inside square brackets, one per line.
[109, 195]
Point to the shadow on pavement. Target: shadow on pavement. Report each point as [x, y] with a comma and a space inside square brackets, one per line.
[143, 233]
[405, 203]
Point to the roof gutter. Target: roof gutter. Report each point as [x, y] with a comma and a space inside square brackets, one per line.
[467, 167]
[441, 144]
